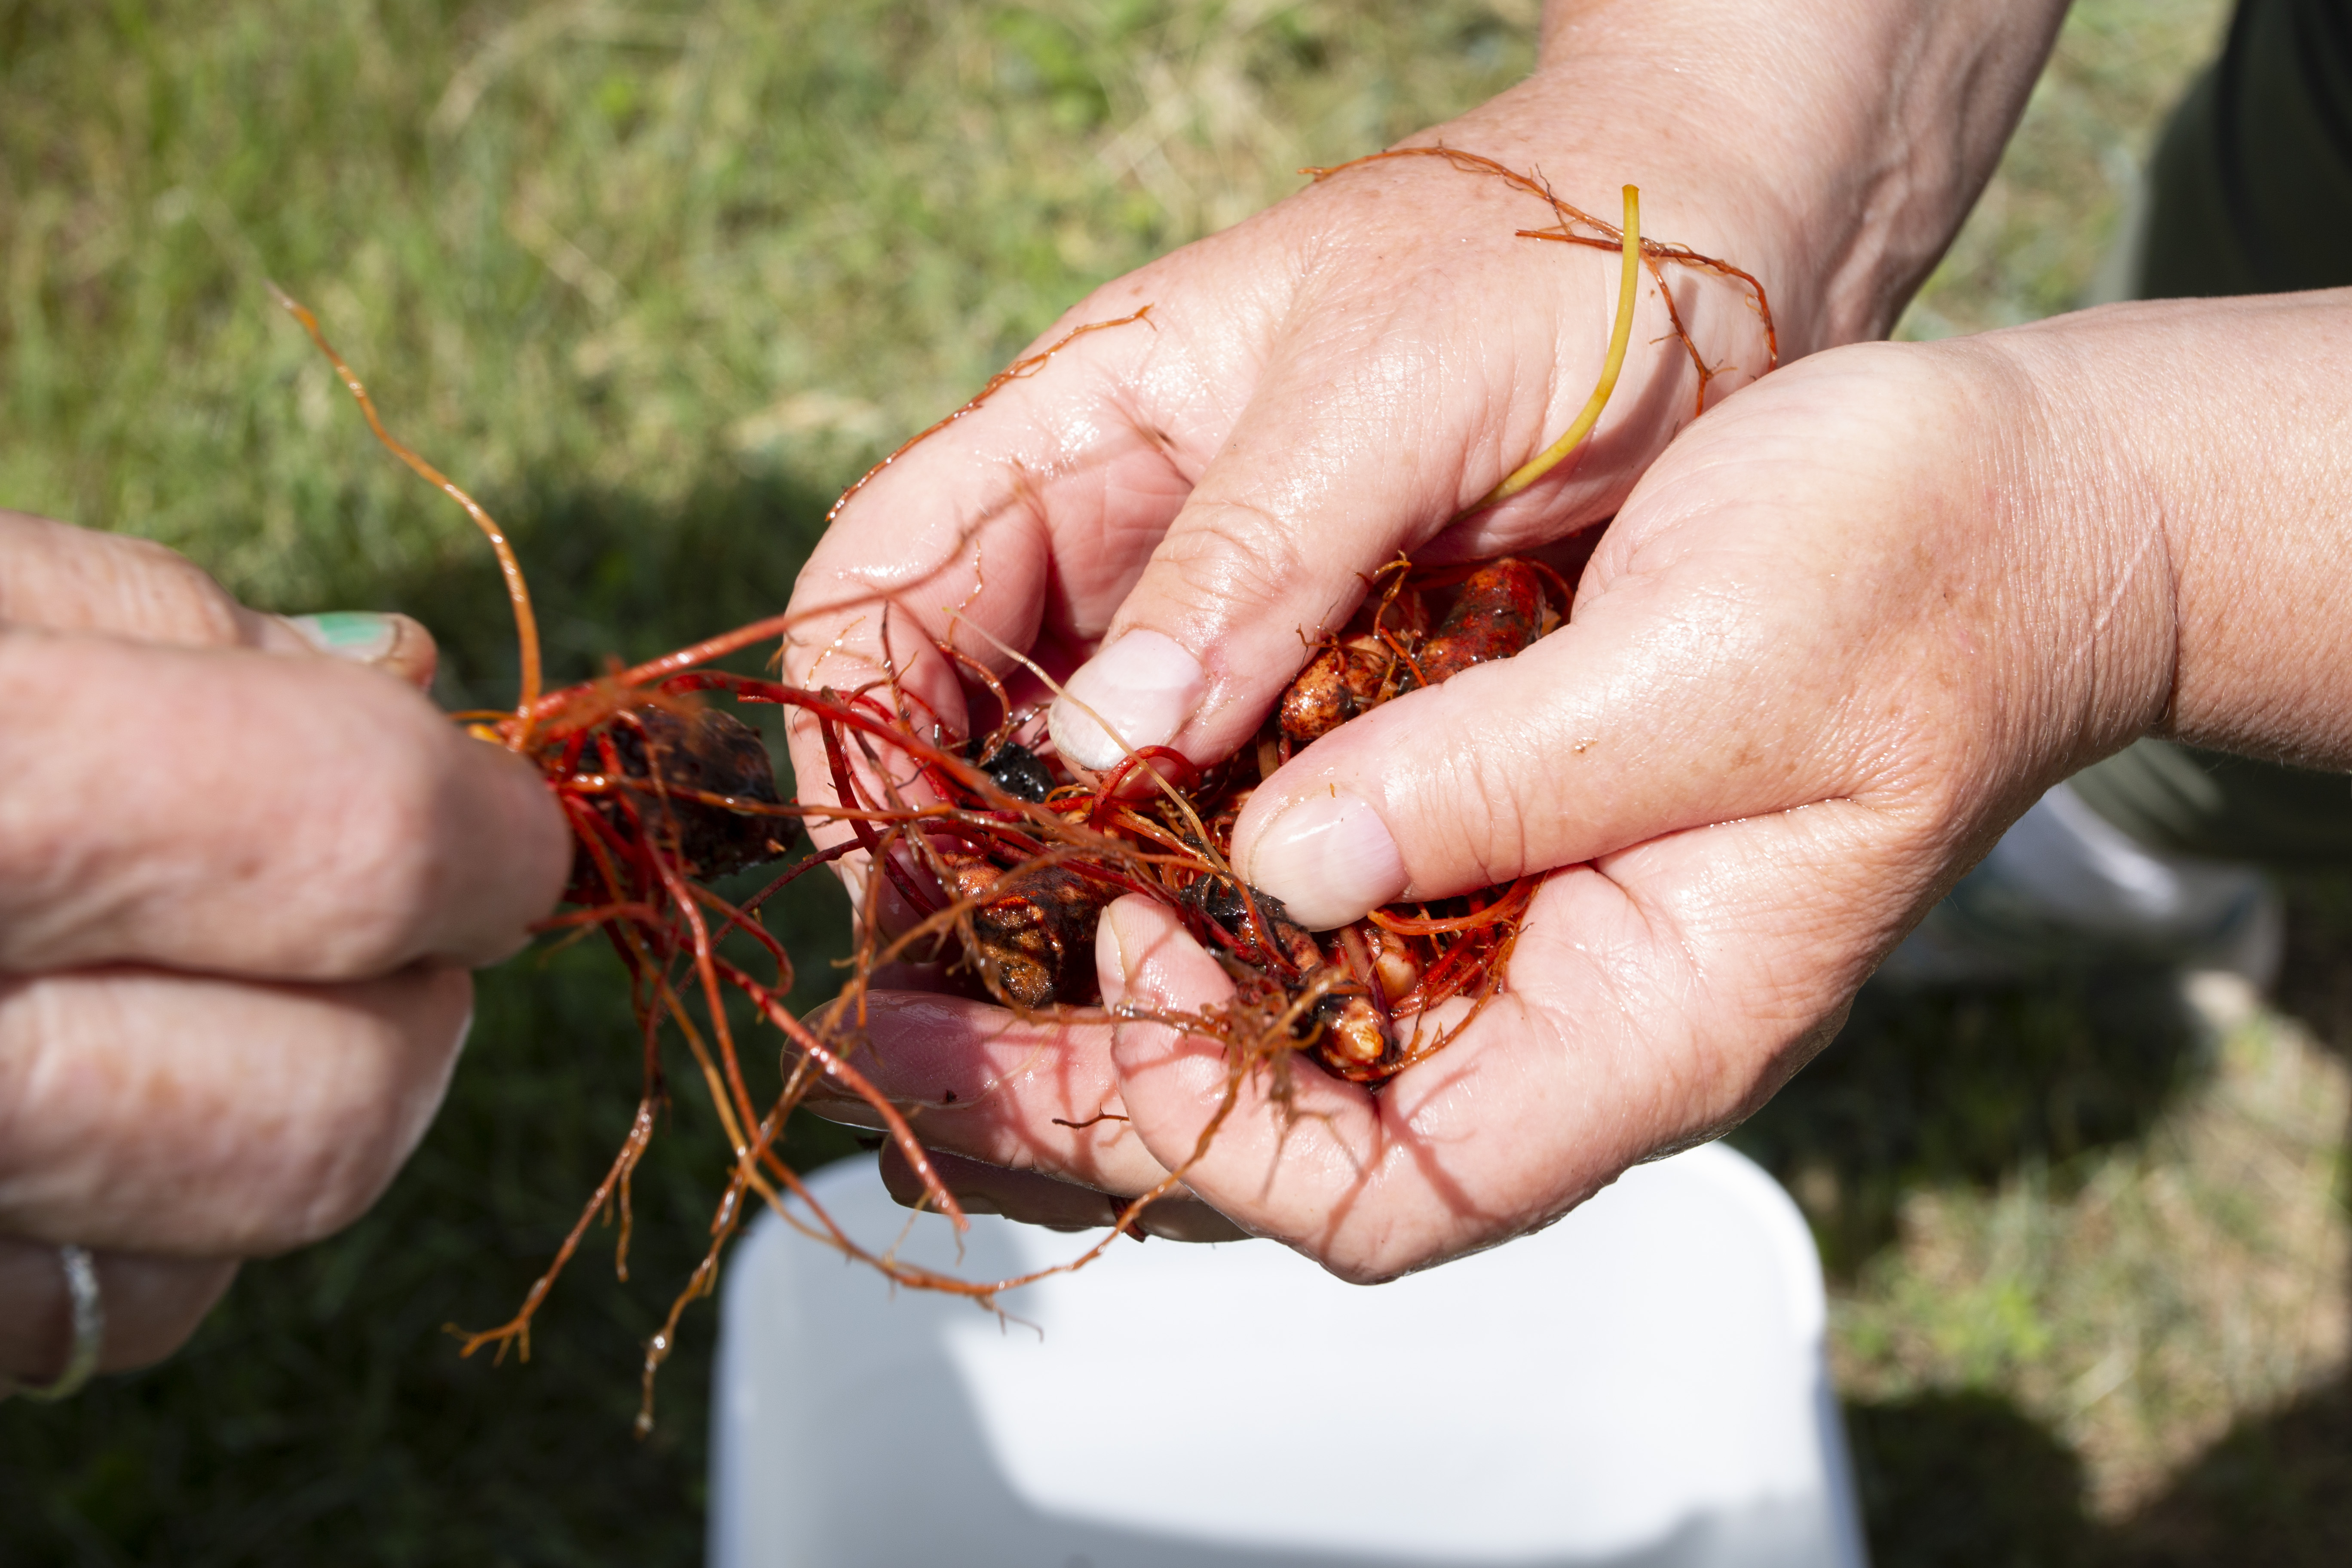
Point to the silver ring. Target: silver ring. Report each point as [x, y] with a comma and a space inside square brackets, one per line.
[88, 1329]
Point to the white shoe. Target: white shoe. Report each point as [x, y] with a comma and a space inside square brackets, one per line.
[2066, 889]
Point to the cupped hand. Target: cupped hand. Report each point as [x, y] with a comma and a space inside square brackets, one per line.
[245, 866]
[1847, 628]
[1308, 397]
[1167, 514]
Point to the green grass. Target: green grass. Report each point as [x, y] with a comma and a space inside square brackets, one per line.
[2088, 1250]
[632, 250]
[657, 279]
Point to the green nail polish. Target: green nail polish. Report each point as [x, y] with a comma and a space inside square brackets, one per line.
[360, 636]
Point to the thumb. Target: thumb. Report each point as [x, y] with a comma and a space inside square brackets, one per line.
[1665, 704]
[1864, 581]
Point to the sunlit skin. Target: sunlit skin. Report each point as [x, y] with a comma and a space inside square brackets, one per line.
[1841, 633]
[241, 885]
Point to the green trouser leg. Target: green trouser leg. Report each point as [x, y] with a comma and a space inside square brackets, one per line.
[2250, 192]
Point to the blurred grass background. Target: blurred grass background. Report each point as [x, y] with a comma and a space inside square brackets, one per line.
[658, 280]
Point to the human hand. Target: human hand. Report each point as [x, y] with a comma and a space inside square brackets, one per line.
[1036, 552]
[1839, 636]
[243, 868]
[1335, 382]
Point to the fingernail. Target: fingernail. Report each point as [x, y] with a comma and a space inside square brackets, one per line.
[1328, 859]
[1144, 686]
[362, 636]
[1111, 971]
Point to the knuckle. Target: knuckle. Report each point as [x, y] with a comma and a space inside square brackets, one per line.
[1480, 817]
[1238, 551]
[72, 579]
[286, 1121]
[162, 595]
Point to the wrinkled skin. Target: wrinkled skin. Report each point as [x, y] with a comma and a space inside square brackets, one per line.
[241, 884]
[1760, 746]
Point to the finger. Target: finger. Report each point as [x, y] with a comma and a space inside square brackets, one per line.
[200, 1117]
[152, 1306]
[75, 579]
[1013, 528]
[1388, 409]
[1031, 1110]
[231, 811]
[979, 1080]
[1266, 1161]
[1019, 525]
[1040, 1200]
[1603, 734]
[391, 642]
[988, 1189]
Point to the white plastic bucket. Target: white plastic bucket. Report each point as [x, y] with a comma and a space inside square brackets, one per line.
[1641, 1384]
